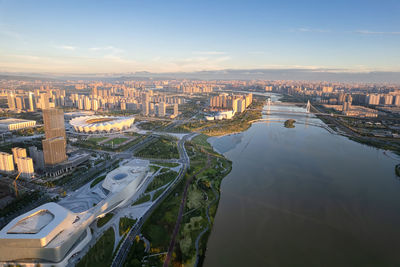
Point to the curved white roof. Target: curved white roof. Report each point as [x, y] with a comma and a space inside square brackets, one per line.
[100, 123]
[119, 178]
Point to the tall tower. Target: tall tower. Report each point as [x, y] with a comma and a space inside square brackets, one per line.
[31, 101]
[54, 146]
[11, 101]
[161, 109]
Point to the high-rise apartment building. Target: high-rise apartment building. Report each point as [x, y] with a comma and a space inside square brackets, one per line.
[388, 99]
[25, 167]
[249, 99]
[396, 101]
[373, 99]
[176, 110]
[31, 101]
[37, 157]
[11, 101]
[19, 101]
[18, 153]
[6, 162]
[54, 146]
[161, 109]
[241, 105]
[145, 108]
[347, 103]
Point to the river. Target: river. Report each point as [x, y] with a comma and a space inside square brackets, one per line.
[304, 197]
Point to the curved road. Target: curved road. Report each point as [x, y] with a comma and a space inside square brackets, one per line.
[126, 245]
[207, 227]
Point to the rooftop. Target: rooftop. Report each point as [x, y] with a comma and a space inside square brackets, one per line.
[13, 121]
[37, 223]
[33, 223]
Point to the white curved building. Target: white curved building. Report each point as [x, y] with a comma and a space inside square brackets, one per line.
[51, 233]
[99, 123]
[122, 183]
[46, 234]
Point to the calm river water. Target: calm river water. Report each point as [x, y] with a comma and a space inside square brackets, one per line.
[304, 197]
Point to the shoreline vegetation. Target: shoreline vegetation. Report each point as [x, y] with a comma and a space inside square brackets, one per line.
[342, 127]
[239, 123]
[203, 194]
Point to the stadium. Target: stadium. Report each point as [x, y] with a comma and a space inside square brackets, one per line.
[101, 124]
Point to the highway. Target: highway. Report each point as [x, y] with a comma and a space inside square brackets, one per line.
[126, 245]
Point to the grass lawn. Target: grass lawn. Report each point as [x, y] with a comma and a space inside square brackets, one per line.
[141, 200]
[238, 123]
[103, 220]
[97, 139]
[125, 224]
[116, 141]
[154, 168]
[161, 180]
[136, 254]
[97, 180]
[159, 227]
[158, 193]
[164, 148]
[168, 164]
[100, 255]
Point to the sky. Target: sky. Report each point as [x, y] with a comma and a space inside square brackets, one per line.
[183, 36]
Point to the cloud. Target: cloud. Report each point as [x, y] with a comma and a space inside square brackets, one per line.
[67, 47]
[27, 57]
[12, 34]
[256, 52]
[109, 48]
[366, 32]
[311, 30]
[195, 63]
[210, 53]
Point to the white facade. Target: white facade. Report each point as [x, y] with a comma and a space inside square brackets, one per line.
[16, 124]
[92, 124]
[51, 234]
[223, 115]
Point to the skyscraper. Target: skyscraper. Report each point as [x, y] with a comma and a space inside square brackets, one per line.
[25, 166]
[161, 109]
[18, 153]
[19, 101]
[6, 162]
[37, 157]
[11, 101]
[176, 110]
[54, 146]
[31, 101]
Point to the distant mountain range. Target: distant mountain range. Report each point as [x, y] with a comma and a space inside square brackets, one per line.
[331, 75]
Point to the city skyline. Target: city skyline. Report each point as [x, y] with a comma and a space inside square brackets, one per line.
[132, 36]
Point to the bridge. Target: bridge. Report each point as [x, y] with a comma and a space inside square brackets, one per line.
[323, 126]
[308, 107]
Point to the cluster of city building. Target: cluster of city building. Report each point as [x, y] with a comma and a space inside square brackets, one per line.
[225, 106]
[352, 99]
[52, 160]
[121, 98]
[146, 101]
[19, 158]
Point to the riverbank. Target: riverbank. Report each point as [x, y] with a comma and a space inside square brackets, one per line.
[200, 206]
[239, 123]
[284, 181]
[341, 126]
